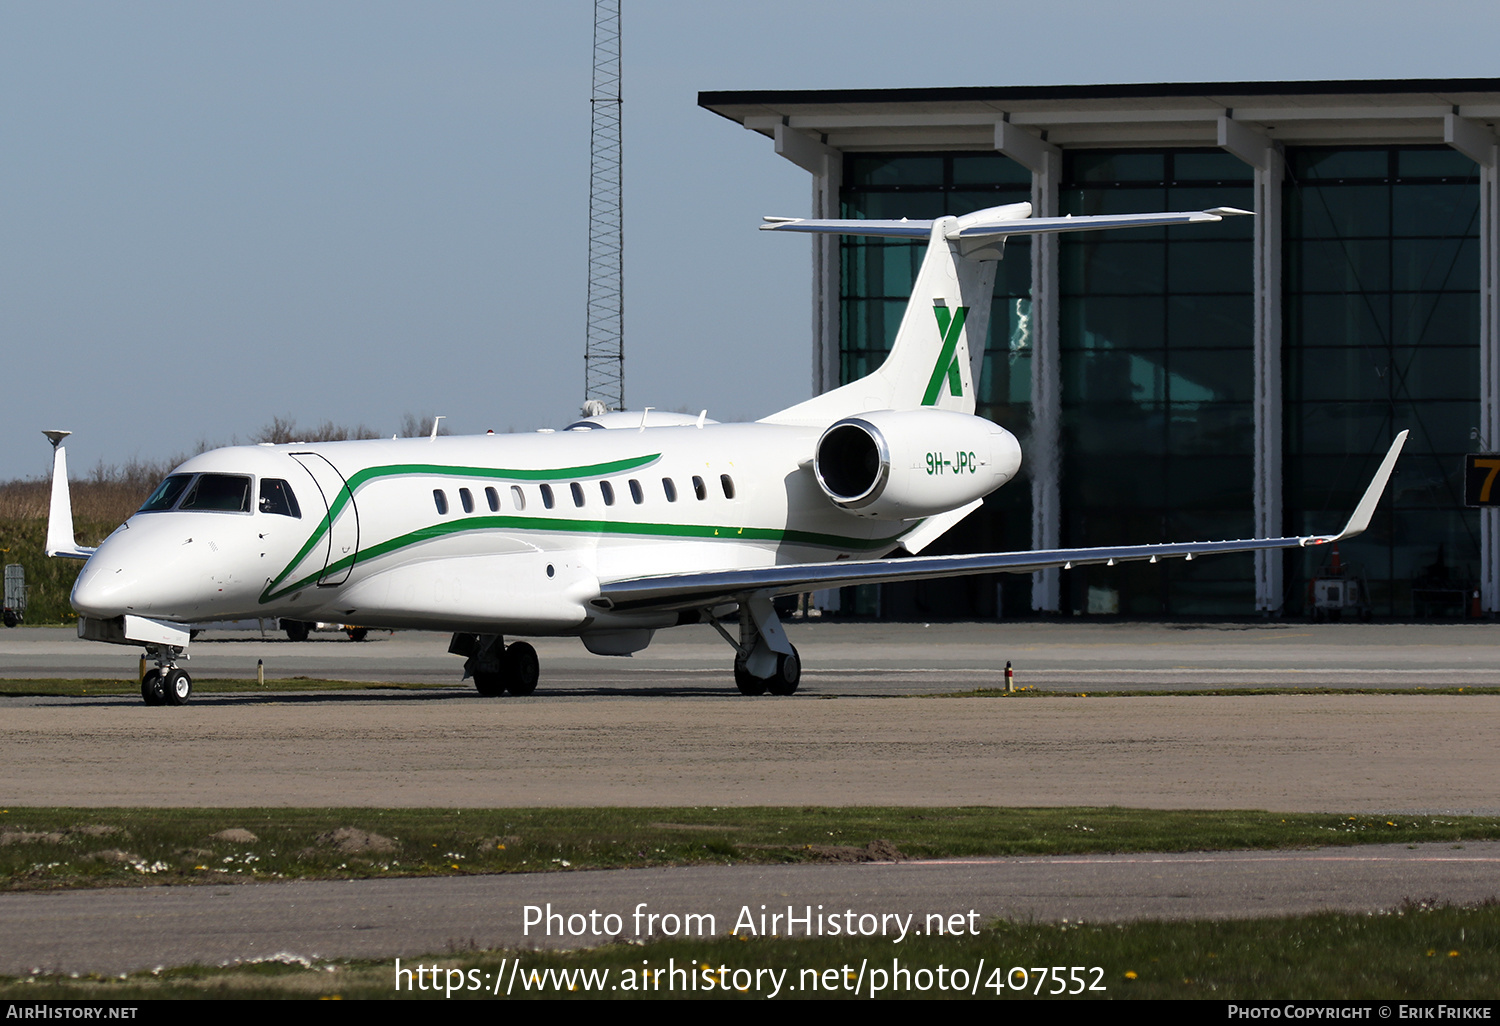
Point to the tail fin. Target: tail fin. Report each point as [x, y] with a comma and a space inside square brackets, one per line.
[935, 359]
[939, 347]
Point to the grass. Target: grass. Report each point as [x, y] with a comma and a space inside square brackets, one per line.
[59, 848]
[1415, 952]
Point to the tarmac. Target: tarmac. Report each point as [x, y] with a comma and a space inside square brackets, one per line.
[666, 728]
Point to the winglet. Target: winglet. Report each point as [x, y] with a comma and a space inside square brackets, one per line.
[60, 540]
[1360, 518]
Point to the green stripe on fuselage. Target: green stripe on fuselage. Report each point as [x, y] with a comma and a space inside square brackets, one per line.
[360, 478]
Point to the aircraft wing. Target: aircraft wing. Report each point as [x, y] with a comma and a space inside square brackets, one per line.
[60, 538]
[716, 587]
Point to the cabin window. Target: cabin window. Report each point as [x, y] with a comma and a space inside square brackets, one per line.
[669, 489]
[466, 497]
[699, 488]
[165, 496]
[493, 498]
[276, 497]
[517, 497]
[440, 500]
[727, 483]
[636, 495]
[547, 495]
[608, 491]
[577, 490]
[218, 493]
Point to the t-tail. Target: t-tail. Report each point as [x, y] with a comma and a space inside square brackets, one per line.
[939, 347]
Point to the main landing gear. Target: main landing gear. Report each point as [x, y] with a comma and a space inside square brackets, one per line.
[497, 668]
[764, 661]
[166, 683]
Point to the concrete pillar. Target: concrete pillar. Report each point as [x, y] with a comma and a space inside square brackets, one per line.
[1270, 170]
[1475, 140]
[1044, 461]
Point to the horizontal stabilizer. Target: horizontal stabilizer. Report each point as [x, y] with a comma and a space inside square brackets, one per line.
[1011, 219]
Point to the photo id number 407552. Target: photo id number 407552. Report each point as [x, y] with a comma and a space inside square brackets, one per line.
[1076, 980]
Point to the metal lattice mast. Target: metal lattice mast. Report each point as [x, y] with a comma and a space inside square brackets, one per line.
[604, 348]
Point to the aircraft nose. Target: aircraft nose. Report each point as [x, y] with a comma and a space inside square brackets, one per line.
[147, 569]
[106, 587]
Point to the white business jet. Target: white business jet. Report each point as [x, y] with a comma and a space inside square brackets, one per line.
[621, 524]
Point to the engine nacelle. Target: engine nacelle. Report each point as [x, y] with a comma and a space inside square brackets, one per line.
[906, 464]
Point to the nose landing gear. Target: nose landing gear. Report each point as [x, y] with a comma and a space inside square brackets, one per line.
[166, 683]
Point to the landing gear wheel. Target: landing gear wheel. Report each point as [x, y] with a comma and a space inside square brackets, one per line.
[358, 633]
[153, 691]
[296, 630]
[177, 686]
[788, 674]
[747, 682]
[489, 684]
[521, 668]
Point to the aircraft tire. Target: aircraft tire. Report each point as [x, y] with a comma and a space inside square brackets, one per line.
[747, 682]
[788, 675]
[176, 687]
[358, 633]
[153, 691]
[489, 685]
[522, 668]
[296, 630]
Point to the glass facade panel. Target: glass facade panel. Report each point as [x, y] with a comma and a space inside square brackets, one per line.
[1333, 320]
[1209, 166]
[1114, 268]
[1218, 321]
[1381, 255]
[1340, 212]
[1157, 376]
[1314, 164]
[1444, 208]
[1434, 318]
[1340, 265]
[878, 170]
[1113, 322]
[1111, 166]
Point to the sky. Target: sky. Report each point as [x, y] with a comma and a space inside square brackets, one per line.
[216, 213]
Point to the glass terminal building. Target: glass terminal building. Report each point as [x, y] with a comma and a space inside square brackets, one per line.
[1202, 382]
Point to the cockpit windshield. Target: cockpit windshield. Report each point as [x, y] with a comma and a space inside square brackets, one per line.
[166, 494]
[218, 493]
[214, 493]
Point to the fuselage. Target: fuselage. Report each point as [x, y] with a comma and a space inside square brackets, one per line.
[488, 533]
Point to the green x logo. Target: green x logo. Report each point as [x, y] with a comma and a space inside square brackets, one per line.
[950, 326]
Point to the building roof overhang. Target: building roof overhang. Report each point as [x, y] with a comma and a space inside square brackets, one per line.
[1168, 114]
